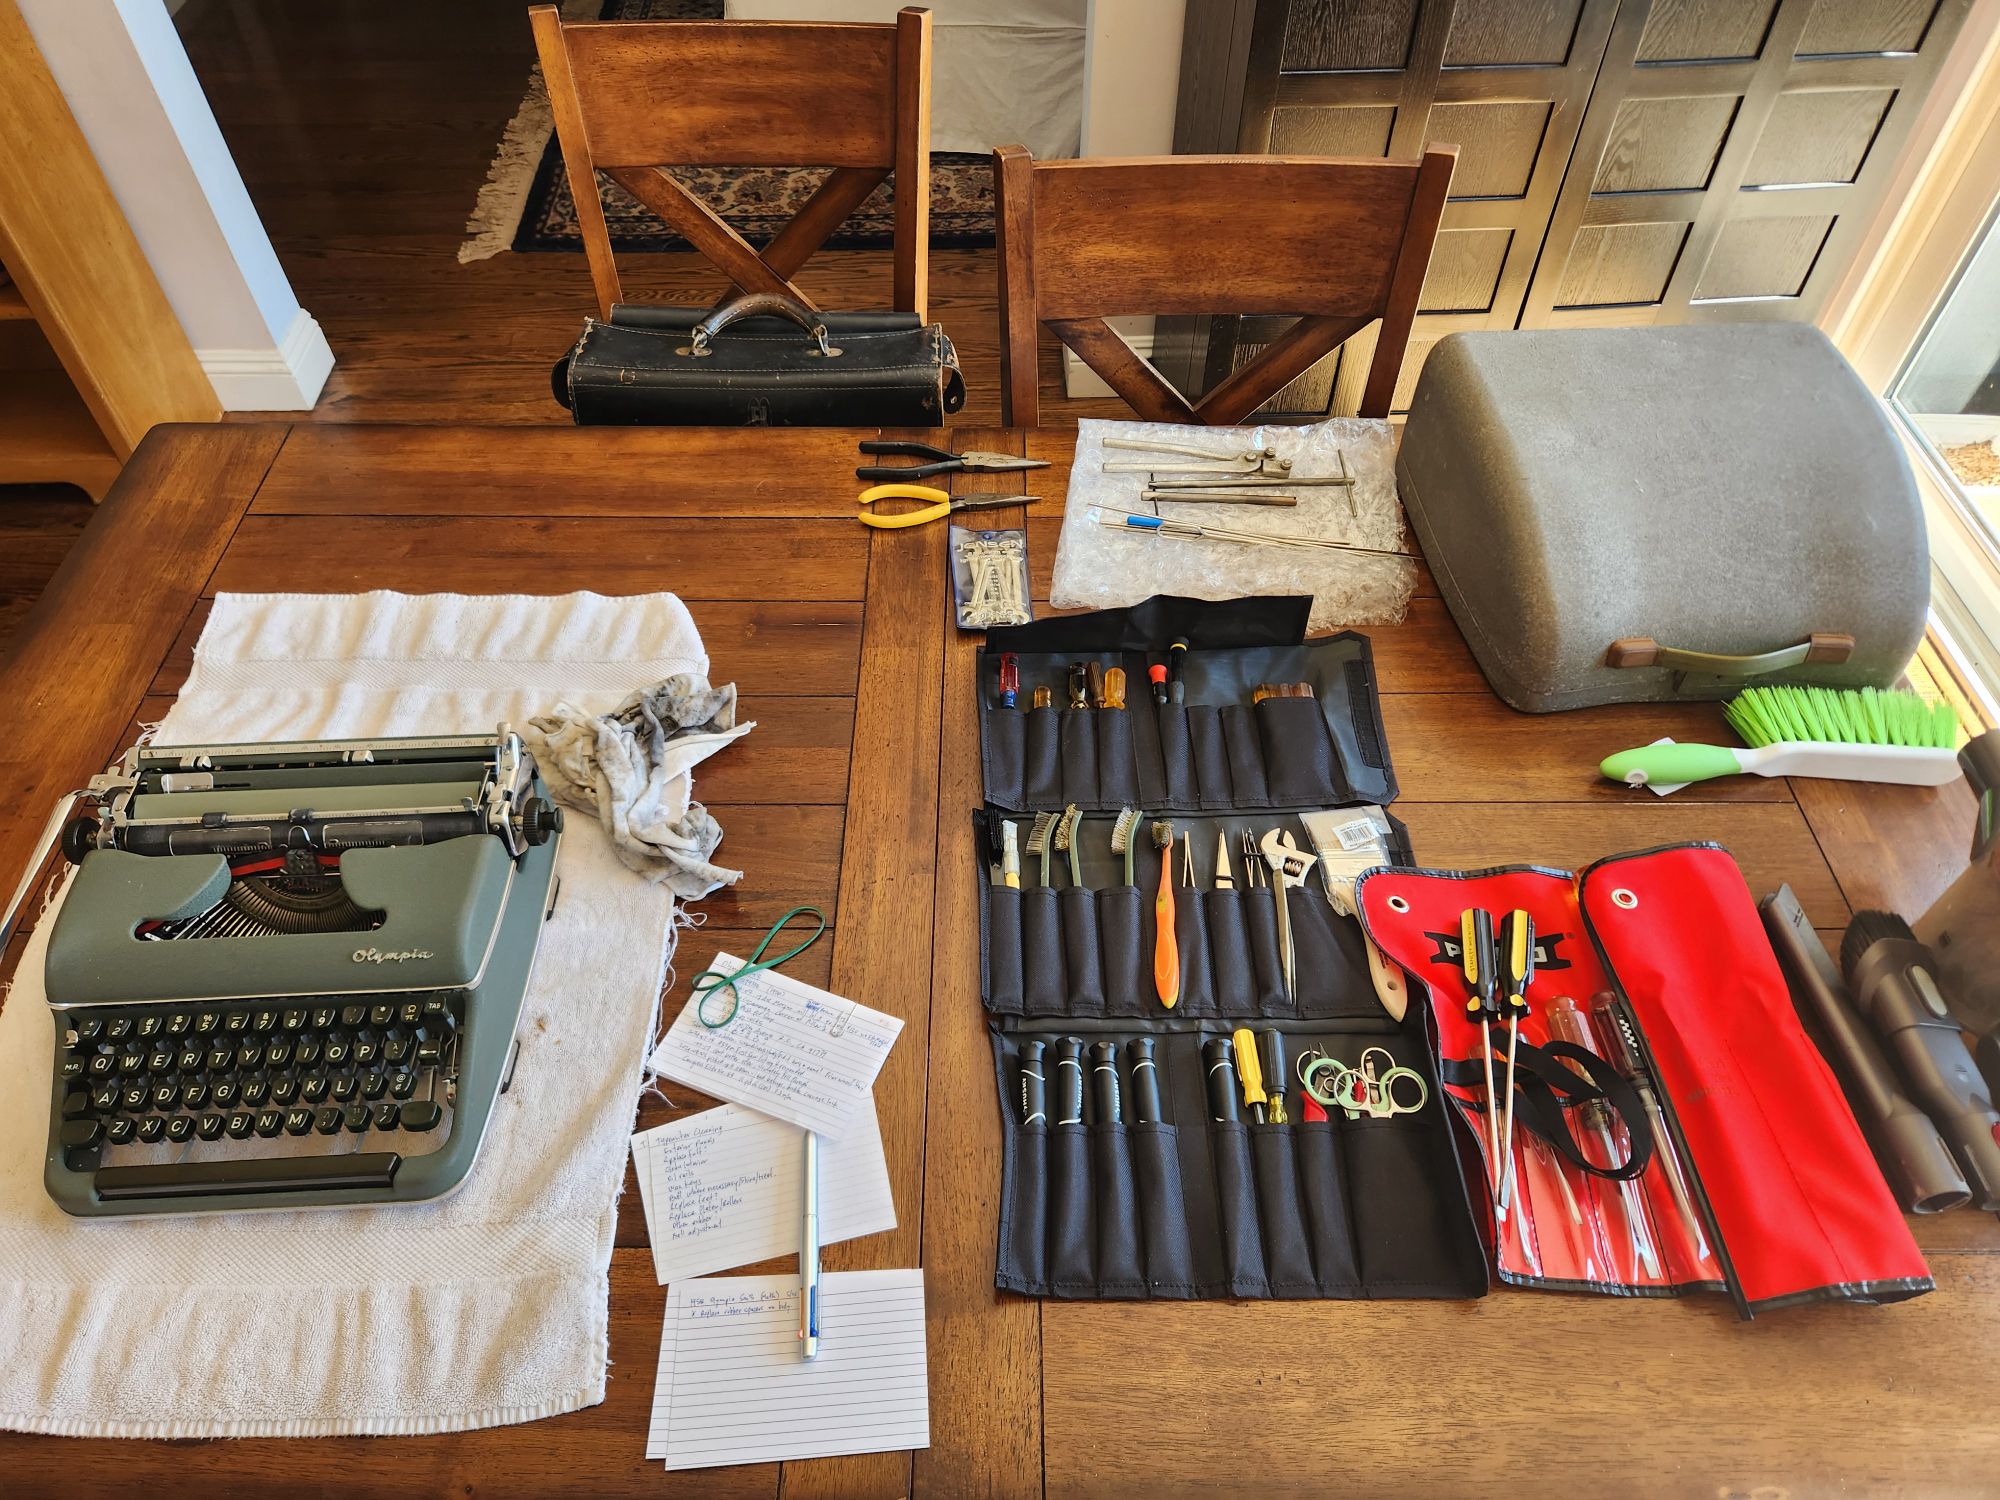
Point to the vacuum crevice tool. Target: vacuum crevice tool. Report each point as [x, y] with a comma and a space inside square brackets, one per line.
[1915, 1162]
[1893, 978]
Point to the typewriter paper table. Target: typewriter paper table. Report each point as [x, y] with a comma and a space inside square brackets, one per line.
[854, 794]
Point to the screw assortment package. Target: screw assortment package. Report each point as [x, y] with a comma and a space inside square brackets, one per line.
[989, 578]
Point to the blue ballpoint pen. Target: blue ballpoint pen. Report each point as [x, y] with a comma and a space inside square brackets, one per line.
[809, 1255]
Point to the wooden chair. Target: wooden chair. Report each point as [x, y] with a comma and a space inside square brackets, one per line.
[634, 97]
[1340, 243]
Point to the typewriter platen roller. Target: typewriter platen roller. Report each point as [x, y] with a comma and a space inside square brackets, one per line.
[290, 975]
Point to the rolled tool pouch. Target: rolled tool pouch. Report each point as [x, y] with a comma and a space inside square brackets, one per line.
[1792, 1207]
[759, 361]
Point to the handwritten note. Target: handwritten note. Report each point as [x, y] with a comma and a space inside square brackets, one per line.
[722, 1189]
[792, 1051]
[733, 1390]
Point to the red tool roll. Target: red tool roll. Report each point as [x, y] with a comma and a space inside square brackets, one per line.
[1783, 1200]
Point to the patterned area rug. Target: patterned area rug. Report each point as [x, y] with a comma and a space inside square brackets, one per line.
[527, 204]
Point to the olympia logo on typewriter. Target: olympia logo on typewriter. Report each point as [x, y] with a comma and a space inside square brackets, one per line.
[393, 956]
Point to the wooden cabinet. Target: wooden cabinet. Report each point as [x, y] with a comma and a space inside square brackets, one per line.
[91, 355]
[1620, 161]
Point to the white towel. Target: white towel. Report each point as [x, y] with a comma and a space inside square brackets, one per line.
[488, 1307]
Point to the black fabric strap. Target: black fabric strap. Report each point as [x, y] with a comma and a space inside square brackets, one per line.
[1545, 1085]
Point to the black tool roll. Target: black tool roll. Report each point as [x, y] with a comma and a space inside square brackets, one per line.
[760, 361]
[1131, 1187]
[1190, 1207]
[1213, 748]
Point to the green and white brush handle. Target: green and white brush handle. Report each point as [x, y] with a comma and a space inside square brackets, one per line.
[1668, 765]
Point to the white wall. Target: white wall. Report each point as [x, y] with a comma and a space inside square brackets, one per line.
[127, 79]
[1131, 82]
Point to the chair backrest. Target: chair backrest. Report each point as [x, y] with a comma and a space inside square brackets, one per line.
[632, 98]
[1339, 243]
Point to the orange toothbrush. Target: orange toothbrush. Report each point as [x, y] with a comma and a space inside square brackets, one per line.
[1166, 952]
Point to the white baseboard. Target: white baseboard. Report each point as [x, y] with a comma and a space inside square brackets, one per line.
[288, 377]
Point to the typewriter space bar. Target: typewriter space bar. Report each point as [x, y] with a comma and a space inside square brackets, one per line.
[276, 1174]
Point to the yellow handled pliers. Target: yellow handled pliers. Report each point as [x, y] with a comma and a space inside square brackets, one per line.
[940, 504]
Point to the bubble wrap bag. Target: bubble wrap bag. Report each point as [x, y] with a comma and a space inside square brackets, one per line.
[1098, 566]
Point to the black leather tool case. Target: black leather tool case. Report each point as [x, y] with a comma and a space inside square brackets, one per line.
[1189, 1206]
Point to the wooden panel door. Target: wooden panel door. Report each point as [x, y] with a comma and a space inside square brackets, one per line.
[1731, 155]
[1506, 81]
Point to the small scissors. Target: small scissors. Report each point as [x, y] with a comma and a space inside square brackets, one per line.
[1367, 1090]
[942, 461]
[940, 504]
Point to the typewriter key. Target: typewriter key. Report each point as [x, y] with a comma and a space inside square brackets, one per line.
[149, 1025]
[104, 1098]
[223, 1095]
[166, 1095]
[131, 1062]
[422, 1114]
[284, 1090]
[270, 1122]
[353, 1015]
[355, 1117]
[81, 1132]
[402, 1084]
[132, 1096]
[76, 1104]
[263, 1020]
[179, 1128]
[298, 1121]
[295, 1020]
[210, 1126]
[178, 1023]
[327, 1121]
[344, 1087]
[308, 1050]
[207, 1023]
[194, 1095]
[374, 1085]
[119, 1130]
[151, 1128]
[189, 1060]
[312, 1088]
[236, 1022]
[323, 1016]
[241, 1123]
[255, 1090]
[219, 1059]
[117, 1028]
[279, 1053]
[386, 1114]
[102, 1065]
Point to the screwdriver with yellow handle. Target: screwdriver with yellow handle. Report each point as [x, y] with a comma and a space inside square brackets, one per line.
[1482, 985]
[1249, 1071]
[1518, 949]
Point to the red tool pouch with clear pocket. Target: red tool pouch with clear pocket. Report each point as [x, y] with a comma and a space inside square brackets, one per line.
[1762, 1186]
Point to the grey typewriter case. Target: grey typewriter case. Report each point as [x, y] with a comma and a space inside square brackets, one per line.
[439, 854]
[1644, 514]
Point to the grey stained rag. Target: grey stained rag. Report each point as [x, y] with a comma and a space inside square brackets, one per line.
[632, 768]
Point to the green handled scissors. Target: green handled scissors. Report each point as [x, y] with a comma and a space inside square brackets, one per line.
[940, 504]
[1370, 1089]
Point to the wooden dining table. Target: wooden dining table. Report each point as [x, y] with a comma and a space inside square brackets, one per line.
[854, 793]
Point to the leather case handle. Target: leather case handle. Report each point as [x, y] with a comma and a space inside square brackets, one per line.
[1821, 648]
[757, 304]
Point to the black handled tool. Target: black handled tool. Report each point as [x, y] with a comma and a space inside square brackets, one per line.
[1034, 1084]
[1221, 1079]
[1145, 1081]
[940, 461]
[1069, 1081]
[1894, 979]
[1104, 1097]
[1912, 1155]
[1271, 1055]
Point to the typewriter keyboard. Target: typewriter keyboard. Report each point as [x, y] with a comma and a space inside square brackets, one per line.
[244, 1070]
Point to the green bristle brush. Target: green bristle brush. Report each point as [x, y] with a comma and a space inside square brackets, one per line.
[1867, 735]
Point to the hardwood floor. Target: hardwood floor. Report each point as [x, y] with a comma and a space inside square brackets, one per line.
[363, 130]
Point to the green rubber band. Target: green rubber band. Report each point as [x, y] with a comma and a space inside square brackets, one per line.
[711, 982]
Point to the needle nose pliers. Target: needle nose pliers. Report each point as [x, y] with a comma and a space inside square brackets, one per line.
[940, 461]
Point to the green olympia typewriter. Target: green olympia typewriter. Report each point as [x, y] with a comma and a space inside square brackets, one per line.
[289, 975]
